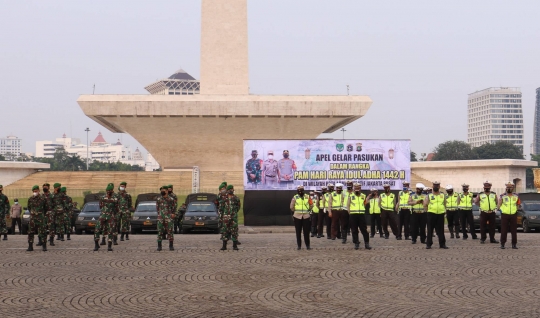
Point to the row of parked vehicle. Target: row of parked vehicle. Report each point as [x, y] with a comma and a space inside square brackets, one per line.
[201, 214]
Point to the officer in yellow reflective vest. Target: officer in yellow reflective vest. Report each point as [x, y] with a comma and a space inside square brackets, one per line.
[404, 210]
[315, 213]
[465, 202]
[336, 206]
[387, 202]
[435, 204]
[509, 204]
[345, 210]
[452, 216]
[301, 206]
[418, 216]
[487, 201]
[357, 216]
[327, 195]
[374, 212]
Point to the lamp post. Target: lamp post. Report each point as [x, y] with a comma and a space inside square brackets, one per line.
[343, 130]
[87, 131]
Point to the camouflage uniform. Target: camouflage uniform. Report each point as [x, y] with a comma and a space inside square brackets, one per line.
[125, 205]
[165, 222]
[4, 212]
[229, 216]
[254, 166]
[68, 214]
[49, 215]
[105, 224]
[220, 204]
[37, 205]
[174, 209]
[59, 208]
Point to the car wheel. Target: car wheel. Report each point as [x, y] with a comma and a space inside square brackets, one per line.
[526, 227]
[78, 232]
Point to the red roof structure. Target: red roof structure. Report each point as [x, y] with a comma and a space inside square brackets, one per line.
[99, 140]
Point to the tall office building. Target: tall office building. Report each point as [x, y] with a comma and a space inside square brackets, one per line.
[10, 147]
[495, 114]
[536, 137]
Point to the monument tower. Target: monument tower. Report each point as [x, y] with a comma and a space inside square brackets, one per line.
[207, 129]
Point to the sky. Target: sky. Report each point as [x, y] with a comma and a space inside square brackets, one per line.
[417, 60]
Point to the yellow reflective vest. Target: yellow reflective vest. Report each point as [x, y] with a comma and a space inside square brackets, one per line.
[357, 203]
[404, 199]
[301, 205]
[387, 201]
[436, 203]
[337, 201]
[488, 202]
[509, 204]
[420, 206]
[451, 202]
[465, 201]
[374, 207]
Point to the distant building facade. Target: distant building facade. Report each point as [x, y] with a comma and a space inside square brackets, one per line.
[180, 83]
[495, 114]
[99, 150]
[10, 147]
[536, 137]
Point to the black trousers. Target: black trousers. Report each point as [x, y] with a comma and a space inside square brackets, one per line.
[13, 222]
[358, 221]
[328, 222]
[452, 218]
[466, 217]
[314, 223]
[321, 218]
[345, 226]
[302, 225]
[389, 217]
[508, 221]
[376, 218]
[435, 222]
[404, 221]
[418, 226]
[487, 220]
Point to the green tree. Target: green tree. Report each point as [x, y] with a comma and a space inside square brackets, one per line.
[454, 150]
[413, 156]
[2, 158]
[499, 150]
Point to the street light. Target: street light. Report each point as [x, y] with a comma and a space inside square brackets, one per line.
[343, 130]
[87, 131]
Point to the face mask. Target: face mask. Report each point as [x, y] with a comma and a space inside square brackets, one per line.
[418, 191]
[163, 193]
[286, 155]
[109, 193]
[357, 192]
[35, 194]
[508, 190]
[223, 190]
[465, 189]
[324, 191]
[339, 191]
[253, 156]
[387, 190]
[169, 192]
[16, 202]
[230, 191]
[46, 190]
[349, 188]
[122, 188]
[405, 188]
[450, 192]
[270, 157]
[436, 189]
[301, 192]
[487, 189]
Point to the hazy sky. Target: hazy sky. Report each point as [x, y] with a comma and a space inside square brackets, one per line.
[417, 60]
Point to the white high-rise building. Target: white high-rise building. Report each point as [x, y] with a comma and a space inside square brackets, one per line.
[10, 147]
[495, 114]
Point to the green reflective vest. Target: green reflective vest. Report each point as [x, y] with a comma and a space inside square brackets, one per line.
[436, 203]
[346, 198]
[404, 199]
[451, 202]
[357, 203]
[509, 204]
[488, 202]
[465, 201]
[374, 207]
[315, 204]
[387, 201]
[301, 205]
[327, 197]
[337, 201]
[420, 206]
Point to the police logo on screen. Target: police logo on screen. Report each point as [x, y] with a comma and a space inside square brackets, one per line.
[339, 147]
[359, 147]
[350, 147]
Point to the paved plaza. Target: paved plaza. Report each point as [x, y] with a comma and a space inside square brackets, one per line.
[268, 277]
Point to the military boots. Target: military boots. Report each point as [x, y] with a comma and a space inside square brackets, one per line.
[127, 236]
[224, 246]
[44, 246]
[68, 237]
[115, 240]
[235, 246]
[51, 241]
[103, 241]
[158, 246]
[39, 243]
[5, 237]
[96, 245]
[171, 246]
[367, 246]
[122, 237]
[109, 247]
[30, 247]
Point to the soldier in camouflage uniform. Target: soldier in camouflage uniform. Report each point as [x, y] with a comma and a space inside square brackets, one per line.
[229, 226]
[109, 209]
[68, 215]
[59, 207]
[126, 206]
[4, 212]
[38, 220]
[175, 206]
[49, 216]
[166, 216]
[254, 169]
[220, 201]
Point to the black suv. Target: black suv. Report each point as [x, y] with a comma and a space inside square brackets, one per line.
[86, 220]
[145, 216]
[201, 213]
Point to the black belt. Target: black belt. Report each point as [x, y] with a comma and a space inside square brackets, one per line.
[270, 176]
